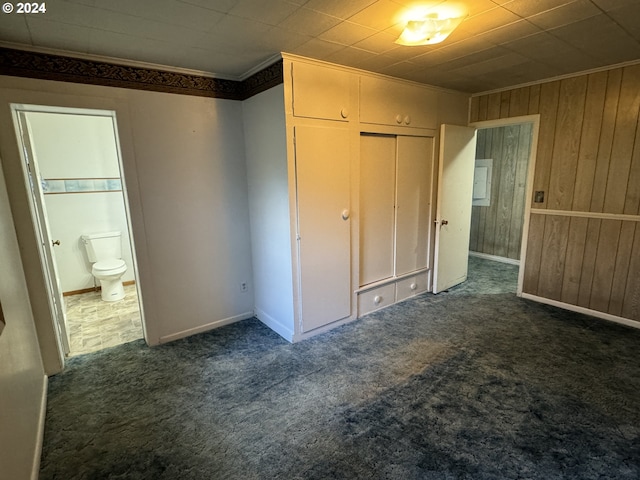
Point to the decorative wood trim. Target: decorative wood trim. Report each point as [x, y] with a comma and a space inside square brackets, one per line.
[45, 66]
[263, 80]
[598, 215]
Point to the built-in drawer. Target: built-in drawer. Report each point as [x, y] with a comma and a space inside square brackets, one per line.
[410, 286]
[376, 298]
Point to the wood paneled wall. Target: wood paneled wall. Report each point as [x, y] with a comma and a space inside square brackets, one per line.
[584, 239]
[497, 229]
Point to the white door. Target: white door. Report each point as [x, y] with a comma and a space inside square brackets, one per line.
[47, 244]
[453, 210]
[324, 226]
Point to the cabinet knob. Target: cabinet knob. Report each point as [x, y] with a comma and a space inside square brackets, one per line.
[377, 299]
[399, 119]
[407, 120]
[344, 113]
[345, 214]
[413, 286]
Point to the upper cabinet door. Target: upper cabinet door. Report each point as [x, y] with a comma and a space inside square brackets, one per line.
[413, 204]
[388, 102]
[320, 92]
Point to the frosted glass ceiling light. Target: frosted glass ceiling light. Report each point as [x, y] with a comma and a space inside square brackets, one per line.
[430, 28]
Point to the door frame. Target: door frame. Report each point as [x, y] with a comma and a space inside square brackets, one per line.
[40, 219]
[36, 204]
[534, 120]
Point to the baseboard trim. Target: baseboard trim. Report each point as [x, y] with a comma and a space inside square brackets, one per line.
[587, 311]
[495, 258]
[35, 472]
[97, 288]
[206, 327]
[274, 325]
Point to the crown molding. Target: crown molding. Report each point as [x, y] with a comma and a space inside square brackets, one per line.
[50, 66]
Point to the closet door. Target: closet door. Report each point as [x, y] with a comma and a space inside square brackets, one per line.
[413, 203]
[322, 186]
[377, 200]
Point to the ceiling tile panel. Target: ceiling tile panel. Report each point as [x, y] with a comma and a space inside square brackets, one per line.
[222, 6]
[565, 15]
[404, 69]
[473, 69]
[309, 22]
[60, 36]
[316, 48]
[272, 12]
[339, 8]
[347, 33]
[14, 29]
[627, 17]
[351, 56]
[507, 33]
[277, 40]
[380, 15]
[608, 5]
[527, 8]
[170, 12]
[380, 42]
[490, 19]
[580, 35]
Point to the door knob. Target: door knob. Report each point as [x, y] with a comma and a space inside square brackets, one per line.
[444, 222]
[54, 243]
[345, 214]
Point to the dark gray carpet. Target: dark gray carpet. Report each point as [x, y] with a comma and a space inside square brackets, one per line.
[473, 383]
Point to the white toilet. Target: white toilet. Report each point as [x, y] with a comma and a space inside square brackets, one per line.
[105, 252]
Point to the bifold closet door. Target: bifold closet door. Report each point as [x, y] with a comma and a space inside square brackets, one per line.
[377, 200]
[322, 157]
[413, 203]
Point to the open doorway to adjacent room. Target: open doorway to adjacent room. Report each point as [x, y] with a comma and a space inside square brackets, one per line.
[72, 166]
[502, 195]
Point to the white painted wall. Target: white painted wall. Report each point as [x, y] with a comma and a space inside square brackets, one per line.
[266, 154]
[189, 153]
[183, 160]
[22, 380]
[79, 146]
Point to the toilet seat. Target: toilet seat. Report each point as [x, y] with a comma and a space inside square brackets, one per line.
[112, 266]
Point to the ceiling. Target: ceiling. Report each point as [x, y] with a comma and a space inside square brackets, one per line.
[501, 43]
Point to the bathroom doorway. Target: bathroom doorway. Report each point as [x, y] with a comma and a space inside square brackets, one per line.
[73, 170]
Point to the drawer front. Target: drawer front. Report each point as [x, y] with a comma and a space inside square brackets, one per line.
[411, 286]
[376, 298]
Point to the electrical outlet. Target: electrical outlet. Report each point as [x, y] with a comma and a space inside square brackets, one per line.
[244, 287]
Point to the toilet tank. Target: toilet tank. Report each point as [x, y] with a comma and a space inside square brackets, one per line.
[103, 246]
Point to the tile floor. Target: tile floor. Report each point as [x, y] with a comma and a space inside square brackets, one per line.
[94, 324]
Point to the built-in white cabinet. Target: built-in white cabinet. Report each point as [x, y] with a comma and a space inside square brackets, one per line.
[388, 102]
[340, 170]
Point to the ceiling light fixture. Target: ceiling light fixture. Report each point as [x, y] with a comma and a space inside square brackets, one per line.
[428, 28]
